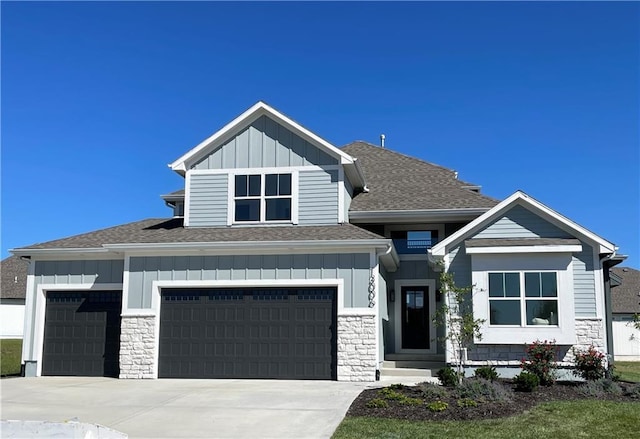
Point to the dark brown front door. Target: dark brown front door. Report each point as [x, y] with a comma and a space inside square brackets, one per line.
[415, 318]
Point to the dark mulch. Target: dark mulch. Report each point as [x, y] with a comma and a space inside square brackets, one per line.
[517, 402]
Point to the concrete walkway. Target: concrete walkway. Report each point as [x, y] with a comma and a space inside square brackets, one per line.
[185, 408]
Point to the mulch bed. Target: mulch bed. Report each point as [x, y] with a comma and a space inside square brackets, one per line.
[517, 403]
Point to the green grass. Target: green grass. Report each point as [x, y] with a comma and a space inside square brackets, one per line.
[576, 419]
[628, 370]
[10, 356]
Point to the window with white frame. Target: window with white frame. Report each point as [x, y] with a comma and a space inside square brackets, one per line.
[262, 197]
[523, 298]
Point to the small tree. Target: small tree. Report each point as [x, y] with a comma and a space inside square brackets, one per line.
[456, 313]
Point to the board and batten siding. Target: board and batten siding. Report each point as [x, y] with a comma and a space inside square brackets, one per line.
[318, 197]
[265, 143]
[353, 268]
[208, 195]
[520, 222]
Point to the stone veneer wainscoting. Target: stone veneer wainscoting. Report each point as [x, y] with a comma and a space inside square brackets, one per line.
[356, 347]
[137, 345]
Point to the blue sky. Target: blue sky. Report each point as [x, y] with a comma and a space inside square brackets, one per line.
[97, 98]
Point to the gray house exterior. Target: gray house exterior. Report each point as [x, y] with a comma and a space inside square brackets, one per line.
[289, 258]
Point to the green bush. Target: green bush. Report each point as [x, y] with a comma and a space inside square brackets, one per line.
[390, 394]
[526, 381]
[432, 391]
[541, 361]
[466, 402]
[448, 377]
[397, 386]
[437, 406]
[589, 364]
[600, 388]
[377, 403]
[487, 372]
[480, 389]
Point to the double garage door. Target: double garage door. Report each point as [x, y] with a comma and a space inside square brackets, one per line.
[275, 333]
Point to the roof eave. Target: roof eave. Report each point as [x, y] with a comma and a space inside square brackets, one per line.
[415, 215]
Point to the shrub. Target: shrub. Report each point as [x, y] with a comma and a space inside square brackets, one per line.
[432, 391]
[480, 389]
[377, 403]
[389, 393]
[448, 377]
[633, 391]
[437, 406]
[466, 402]
[600, 388]
[487, 372]
[589, 364]
[541, 361]
[397, 386]
[526, 381]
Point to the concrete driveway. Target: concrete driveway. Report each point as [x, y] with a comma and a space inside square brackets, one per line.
[184, 408]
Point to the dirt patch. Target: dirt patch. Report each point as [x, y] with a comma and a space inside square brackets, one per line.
[459, 408]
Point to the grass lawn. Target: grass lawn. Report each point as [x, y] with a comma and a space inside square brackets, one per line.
[628, 370]
[584, 419]
[10, 355]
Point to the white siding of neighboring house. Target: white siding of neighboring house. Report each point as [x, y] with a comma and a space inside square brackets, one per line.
[11, 318]
[626, 339]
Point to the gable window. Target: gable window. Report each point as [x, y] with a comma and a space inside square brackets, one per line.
[537, 306]
[262, 197]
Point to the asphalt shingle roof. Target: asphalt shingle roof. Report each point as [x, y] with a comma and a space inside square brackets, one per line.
[14, 278]
[625, 298]
[400, 182]
[163, 230]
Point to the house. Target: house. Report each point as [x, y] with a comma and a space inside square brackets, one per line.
[625, 298]
[287, 257]
[12, 291]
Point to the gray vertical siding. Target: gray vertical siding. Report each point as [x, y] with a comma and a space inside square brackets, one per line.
[460, 266]
[208, 200]
[354, 269]
[318, 197]
[521, 223]
[265, 143]
[584, 282]
[79, 272]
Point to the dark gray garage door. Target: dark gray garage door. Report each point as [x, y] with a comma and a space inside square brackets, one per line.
[248, 333]
[82, 333]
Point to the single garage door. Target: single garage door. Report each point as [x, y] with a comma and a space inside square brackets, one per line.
[276, 333]
[82, 333]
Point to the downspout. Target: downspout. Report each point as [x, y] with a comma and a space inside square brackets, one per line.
[608, 311]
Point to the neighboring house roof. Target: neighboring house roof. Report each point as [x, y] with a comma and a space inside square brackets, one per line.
[14, 278]
[399, 182]
[625, 298]
[163, 230]
[519, 198]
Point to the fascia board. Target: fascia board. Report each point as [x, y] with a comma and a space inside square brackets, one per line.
[524, 249]
[253, 113]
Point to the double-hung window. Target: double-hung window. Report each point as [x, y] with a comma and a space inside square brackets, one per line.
[262, 197]
[523, 298]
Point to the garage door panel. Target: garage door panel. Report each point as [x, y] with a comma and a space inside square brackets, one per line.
[82, 333]
[251, 333]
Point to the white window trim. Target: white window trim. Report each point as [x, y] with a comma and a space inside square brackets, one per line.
[231, 198]
[522, 298]
[561, 263]
[431, 285]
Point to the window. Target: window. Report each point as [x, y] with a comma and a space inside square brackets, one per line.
[413, 241]
[263, 197]
[538, 306]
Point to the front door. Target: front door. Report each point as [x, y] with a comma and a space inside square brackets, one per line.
[415, 317]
